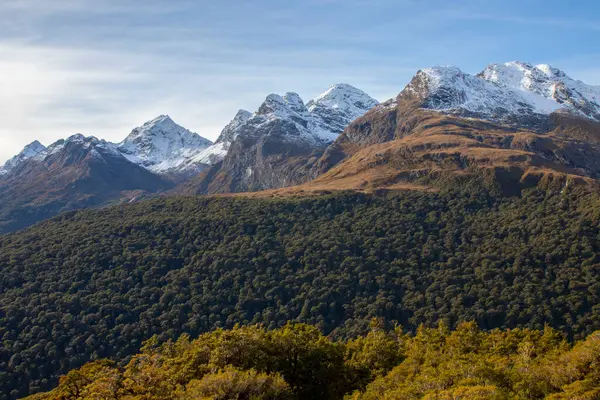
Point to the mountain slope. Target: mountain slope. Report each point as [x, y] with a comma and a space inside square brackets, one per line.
[74, 173]
[446, 127]
[278, 145]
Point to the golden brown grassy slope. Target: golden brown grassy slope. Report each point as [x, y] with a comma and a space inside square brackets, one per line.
[401, 146]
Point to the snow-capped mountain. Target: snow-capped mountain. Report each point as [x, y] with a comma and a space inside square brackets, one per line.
[317, 123]
[162, 146]
[337, 107]
[218, 150]
[320, 121]
[76, 172]
[90, 144]
[31, 150]
[547, 82]
[36, 152]
[515, 93]
[278, 144]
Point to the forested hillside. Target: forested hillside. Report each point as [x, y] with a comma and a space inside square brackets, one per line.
[95, 284]
[298, 362]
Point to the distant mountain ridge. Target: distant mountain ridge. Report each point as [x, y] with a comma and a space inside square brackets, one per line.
[80, 171]
[166, 148]
[31, 150]
[77, 172]
[515, 122]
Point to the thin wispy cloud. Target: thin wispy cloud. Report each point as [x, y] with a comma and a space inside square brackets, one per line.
[579, 24]
[102, 68]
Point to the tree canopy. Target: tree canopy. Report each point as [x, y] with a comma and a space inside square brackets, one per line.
[298, 362]
[96, 284]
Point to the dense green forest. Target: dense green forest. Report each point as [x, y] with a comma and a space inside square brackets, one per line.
[298, 362]
[95, 284]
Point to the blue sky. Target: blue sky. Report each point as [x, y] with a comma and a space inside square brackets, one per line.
[102, 67]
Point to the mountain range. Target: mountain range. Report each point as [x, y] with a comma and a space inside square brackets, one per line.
[80, 171]
[512, 125]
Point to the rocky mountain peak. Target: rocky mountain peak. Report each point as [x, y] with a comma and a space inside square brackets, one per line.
[545, 84]
[161, 145]
[295, 102]
[228, 133]
[344, 96]
[284, 106]
[160, 123]
[272, 104]
[337, 107]
[33, 149]
[82, 139]
[514, 93]
[217, 151]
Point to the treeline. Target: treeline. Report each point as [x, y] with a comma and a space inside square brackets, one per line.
[95, 284]
[298, 362]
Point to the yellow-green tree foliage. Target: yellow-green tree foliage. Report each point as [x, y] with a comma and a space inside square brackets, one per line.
[298, 362]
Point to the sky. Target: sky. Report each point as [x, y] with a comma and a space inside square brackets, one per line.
[103, 67]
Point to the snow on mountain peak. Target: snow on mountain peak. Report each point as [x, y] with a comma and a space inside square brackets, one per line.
[447, 88]
[228, 133]
[321, 119]
[514, 92]
[295, 102]
[80, 138]
[344, 96]
[218, 150]
[161, 145]
[162, 125]
[555, 88]
[338, 106]
[33, 149]
[282, 107]
[241, 116]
